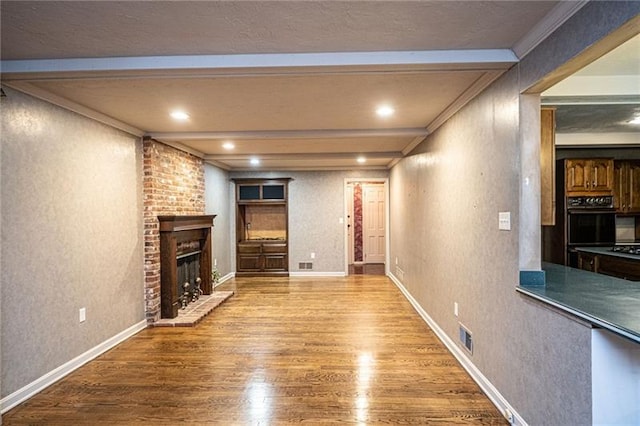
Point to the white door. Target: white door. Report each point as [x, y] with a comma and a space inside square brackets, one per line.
[373, 217]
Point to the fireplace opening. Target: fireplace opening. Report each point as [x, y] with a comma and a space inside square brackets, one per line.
[189, 280]
[185, 261]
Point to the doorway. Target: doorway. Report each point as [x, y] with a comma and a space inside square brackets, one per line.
[366, 242]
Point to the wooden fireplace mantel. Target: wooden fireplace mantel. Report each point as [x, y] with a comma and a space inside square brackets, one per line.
[174, 230]
[185, 223]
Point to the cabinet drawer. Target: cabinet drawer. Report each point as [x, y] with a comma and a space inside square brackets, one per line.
[619, 267]
[249, 248]
[274, 248]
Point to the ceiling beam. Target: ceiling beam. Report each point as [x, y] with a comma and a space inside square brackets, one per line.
[418, 132]
[437, 60]
[305, 156]
[590, 100]
[299, 168]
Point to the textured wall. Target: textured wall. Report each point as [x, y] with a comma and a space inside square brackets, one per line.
[217, 201]
[590, 24]
[445, 201]
[71, 236]
[173, 185]
[1, 233]
[444, 230]
[316, 203]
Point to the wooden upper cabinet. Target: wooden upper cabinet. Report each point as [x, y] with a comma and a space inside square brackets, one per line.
[547, 166]
[589, 176]
[634, 186]
[576, 175]
[626, 197]
[601, 175]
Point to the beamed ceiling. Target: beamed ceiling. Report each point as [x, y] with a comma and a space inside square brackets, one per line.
[295, 84]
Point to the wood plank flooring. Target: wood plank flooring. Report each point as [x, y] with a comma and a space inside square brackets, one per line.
[367, 269]
[280, 351]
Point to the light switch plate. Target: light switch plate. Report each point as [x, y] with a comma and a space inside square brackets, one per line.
[504, 221]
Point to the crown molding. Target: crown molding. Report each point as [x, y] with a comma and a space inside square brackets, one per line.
[556, 17]
[36, 92]
[472, 91]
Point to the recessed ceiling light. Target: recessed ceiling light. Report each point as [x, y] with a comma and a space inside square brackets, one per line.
[361, 160]
[635, 120]
[255, 161]
[228, 145]
[385, 111]
[179, 115]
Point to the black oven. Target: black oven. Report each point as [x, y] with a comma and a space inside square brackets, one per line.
[591, 221]
[591, 228]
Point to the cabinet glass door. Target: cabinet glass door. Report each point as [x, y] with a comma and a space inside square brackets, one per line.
[273, 192]
[249, 192]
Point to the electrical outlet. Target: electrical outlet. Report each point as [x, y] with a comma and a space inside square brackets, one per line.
[508, 415]
[82, 314]
[215, 261]
[455, 308]
[313, 255]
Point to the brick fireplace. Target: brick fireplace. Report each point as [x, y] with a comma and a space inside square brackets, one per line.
[173, 185]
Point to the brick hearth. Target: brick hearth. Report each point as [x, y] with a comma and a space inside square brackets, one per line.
[195, 311]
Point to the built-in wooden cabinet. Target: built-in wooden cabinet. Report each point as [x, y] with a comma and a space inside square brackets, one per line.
[613, 266]
[626, 193]
[619, 267]
[588, 262]
[262, 246]
[547, 166]
[591, 176]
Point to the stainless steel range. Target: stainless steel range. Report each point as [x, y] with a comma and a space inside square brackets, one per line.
[630, 249]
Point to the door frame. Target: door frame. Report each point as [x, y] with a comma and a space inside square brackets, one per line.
[387, 209]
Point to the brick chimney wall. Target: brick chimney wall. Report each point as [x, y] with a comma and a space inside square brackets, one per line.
[173, 185]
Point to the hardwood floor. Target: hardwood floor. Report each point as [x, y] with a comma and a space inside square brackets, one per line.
[367, 269]
[281, 351]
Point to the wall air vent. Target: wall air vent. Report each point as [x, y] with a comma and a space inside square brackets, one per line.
[466, 339]
[305, 265]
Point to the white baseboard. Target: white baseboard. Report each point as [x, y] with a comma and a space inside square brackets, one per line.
[316, 274]
[53, 376]
[225, 278]
[487, 387]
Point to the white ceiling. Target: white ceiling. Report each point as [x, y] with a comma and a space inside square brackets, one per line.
[595, 104]
[294, 83]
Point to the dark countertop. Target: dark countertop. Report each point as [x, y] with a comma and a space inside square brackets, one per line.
[606, 251]
[608, 302]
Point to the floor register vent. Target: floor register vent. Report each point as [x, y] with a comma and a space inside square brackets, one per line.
[305, 265]
[466, 339]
